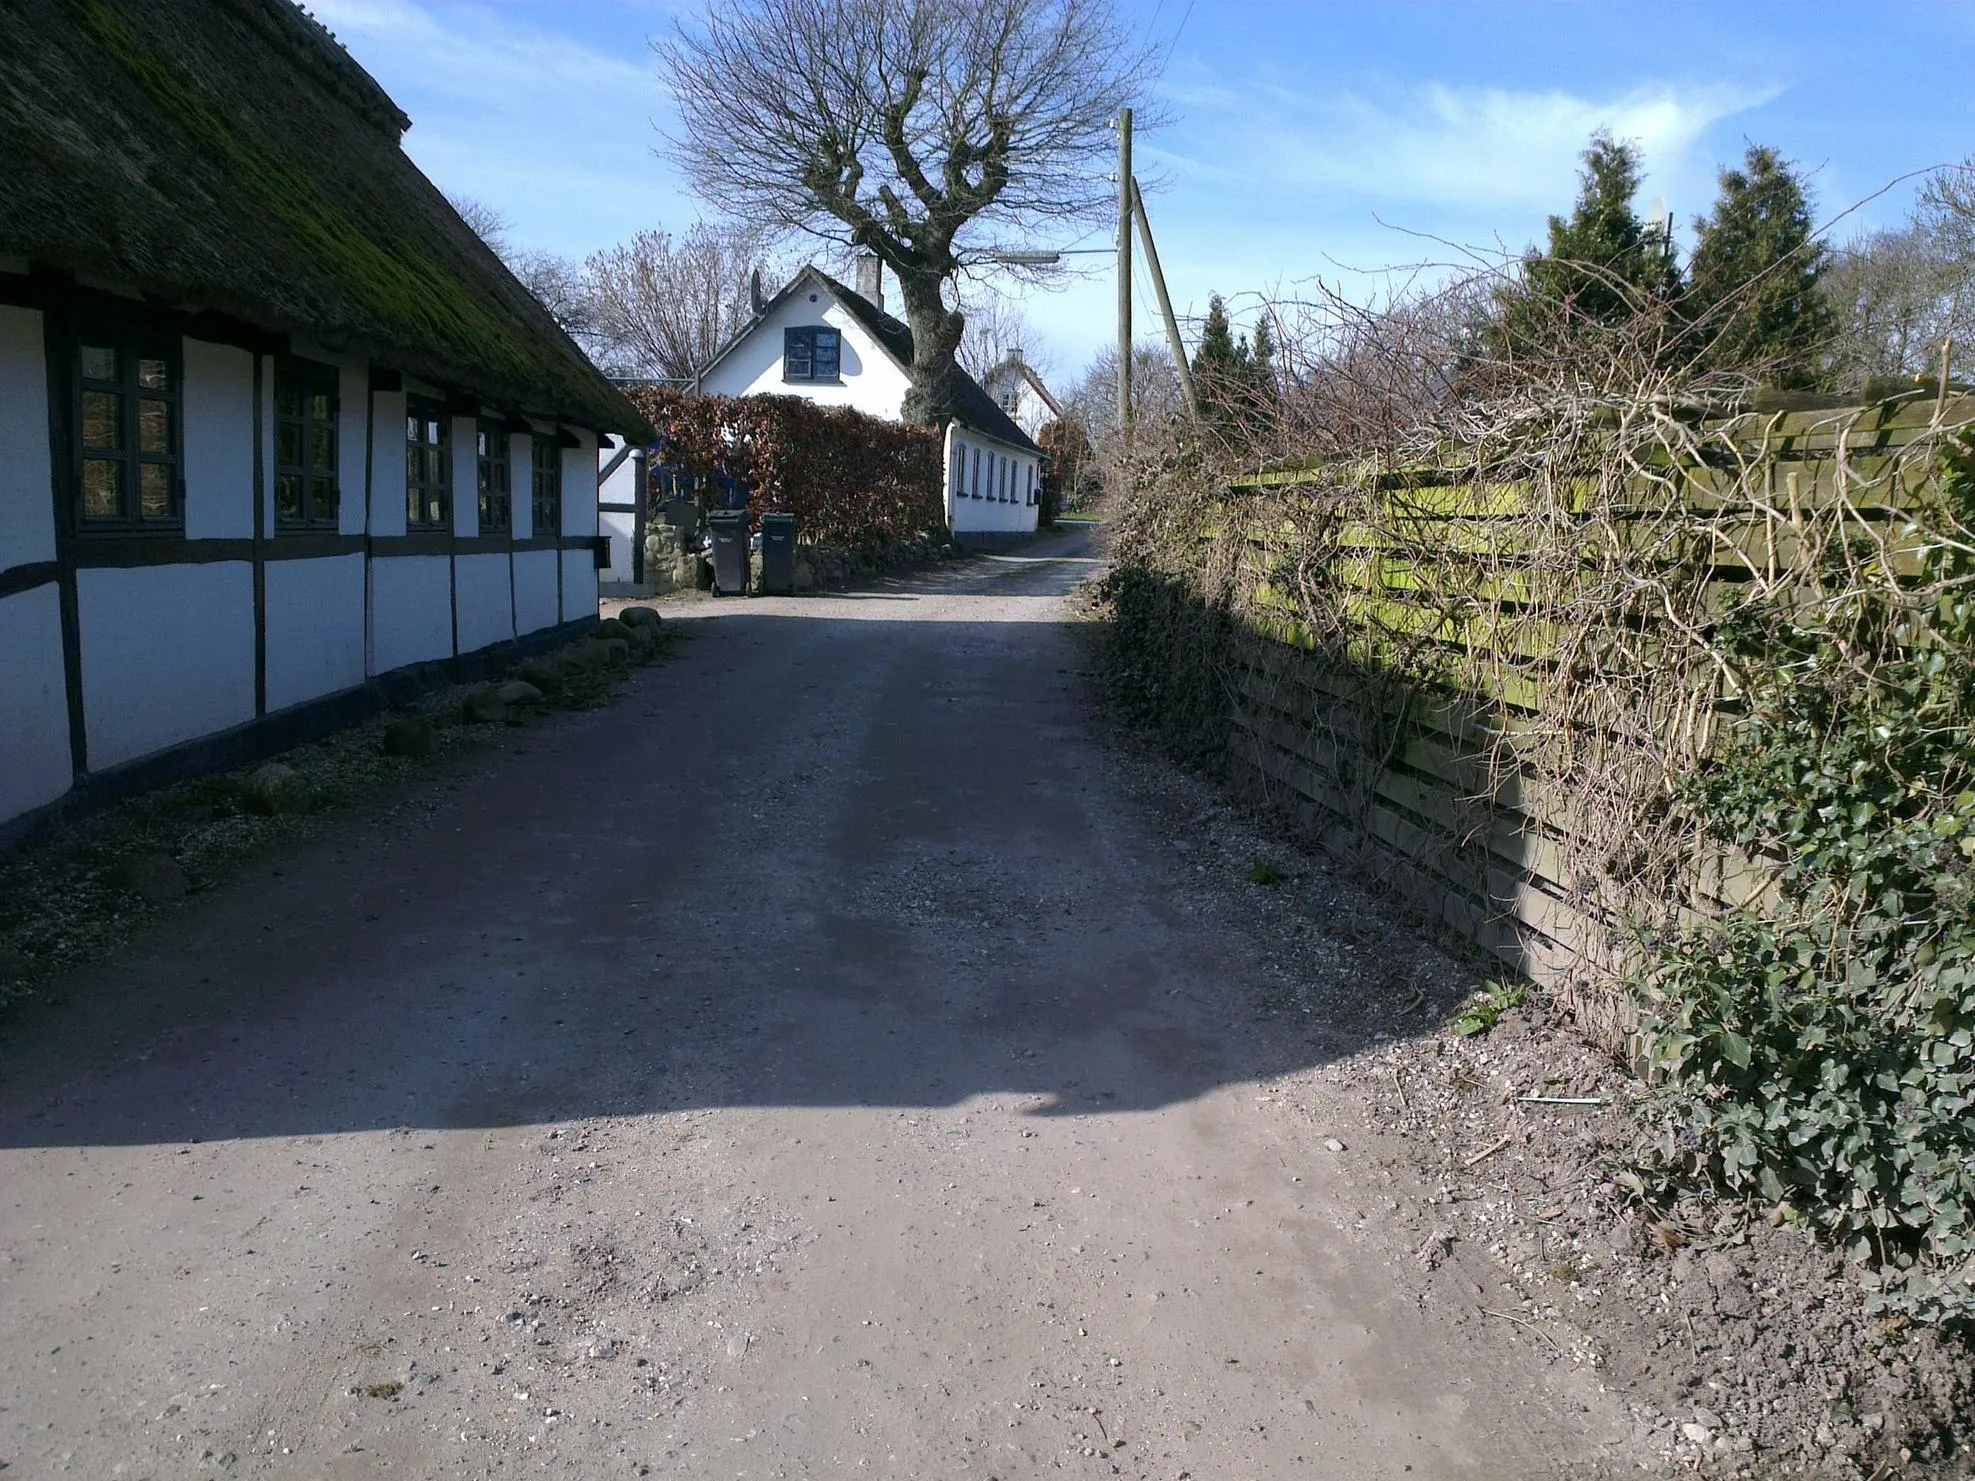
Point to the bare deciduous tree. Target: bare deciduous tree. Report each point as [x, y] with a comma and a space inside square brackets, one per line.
[662, 307]
[1890, 293]
[933, 133]
[1092, 403]
[560, 284]
[488, 223]
[994, 327]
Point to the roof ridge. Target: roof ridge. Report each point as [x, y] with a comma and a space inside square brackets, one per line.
[320, 49]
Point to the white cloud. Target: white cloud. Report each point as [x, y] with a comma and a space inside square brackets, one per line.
[1449, 147]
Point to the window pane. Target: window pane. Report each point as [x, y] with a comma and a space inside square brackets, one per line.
[322, 449]
[153, 426]
[288, 496]
[102, 497]
[287, 396]
[432, 432]
[322, 499]
[154, 490]
[435, 510]
[154, 375]
[480, 442]
[826, 354]
[414, 465]
[411, 429]
[320, 407]
[102, 420]
[99, 362]
[288, 444]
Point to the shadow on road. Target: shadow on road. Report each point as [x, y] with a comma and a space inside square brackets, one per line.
[866, 850]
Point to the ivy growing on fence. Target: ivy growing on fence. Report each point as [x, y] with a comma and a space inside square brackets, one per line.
[1676, 706]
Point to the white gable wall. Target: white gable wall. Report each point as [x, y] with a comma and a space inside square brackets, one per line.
[872, 381]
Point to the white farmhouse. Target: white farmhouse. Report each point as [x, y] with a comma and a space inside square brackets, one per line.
[1018, 389]
[274, 423]
[831, 344]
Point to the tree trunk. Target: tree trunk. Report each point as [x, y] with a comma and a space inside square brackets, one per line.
[936, 333]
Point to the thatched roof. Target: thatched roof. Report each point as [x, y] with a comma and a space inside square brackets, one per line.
[229, 155]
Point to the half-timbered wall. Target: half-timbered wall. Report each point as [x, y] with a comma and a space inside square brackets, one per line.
[118, 646]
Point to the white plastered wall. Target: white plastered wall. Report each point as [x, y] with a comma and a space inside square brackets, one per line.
[485, 600]
[217, 412]
[521, 481]
[466, 477]
[535, 600]
[352, 448]
[984, 502]
[314, 628]
[620, 488]
[34, 702]
[167, 655]
[387, 463]
[873, 382]
[411, 606]
[579, 518]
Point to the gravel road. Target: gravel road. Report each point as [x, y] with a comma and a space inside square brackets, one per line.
[821, 1062]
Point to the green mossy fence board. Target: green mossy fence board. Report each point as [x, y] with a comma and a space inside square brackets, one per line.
[1426, 561]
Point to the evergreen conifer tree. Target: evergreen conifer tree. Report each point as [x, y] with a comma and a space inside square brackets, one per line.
[1263, 361]
[1264, 391]
[1753, 292]
[1217, 355]
[1603, 265]
[1221, 370]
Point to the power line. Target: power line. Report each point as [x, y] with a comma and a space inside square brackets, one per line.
[1186, 16]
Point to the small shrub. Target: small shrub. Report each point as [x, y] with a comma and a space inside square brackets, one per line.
[1264, 873]
[1484, 1009]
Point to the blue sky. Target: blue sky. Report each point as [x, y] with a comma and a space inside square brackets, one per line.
[1307, 139]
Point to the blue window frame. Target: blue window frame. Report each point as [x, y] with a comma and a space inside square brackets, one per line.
[812, 354]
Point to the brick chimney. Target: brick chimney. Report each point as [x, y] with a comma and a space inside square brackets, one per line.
[871, 281]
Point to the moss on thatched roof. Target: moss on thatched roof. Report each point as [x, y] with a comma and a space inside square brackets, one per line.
[229, 155]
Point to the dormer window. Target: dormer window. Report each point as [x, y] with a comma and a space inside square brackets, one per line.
[812, 354]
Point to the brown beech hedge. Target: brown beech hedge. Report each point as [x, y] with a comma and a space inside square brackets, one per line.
[852, 480]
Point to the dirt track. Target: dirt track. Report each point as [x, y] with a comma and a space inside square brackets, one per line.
[821, 1062]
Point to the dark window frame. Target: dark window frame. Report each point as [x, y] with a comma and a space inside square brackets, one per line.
[311, 378]
[133, 346]
[545, 485]
[494, 477]
[803, 359]
[426, 452]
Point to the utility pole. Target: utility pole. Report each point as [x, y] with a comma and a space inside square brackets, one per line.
[1127, 191]
[1165, 303]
